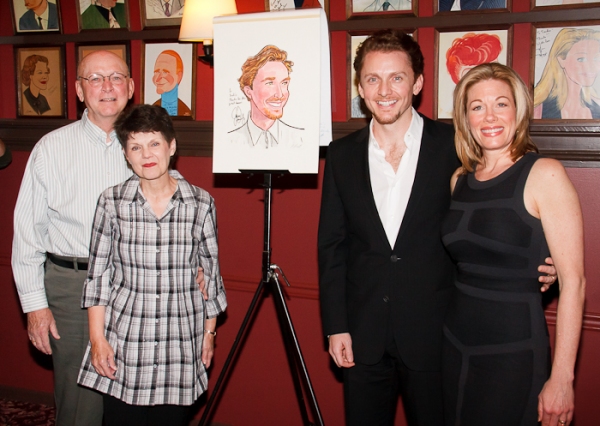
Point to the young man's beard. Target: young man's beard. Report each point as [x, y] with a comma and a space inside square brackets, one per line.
[271, 114]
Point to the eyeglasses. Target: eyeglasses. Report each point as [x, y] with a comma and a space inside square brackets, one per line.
[96, 80]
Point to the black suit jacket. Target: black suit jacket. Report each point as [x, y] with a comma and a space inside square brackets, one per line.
[367, 286]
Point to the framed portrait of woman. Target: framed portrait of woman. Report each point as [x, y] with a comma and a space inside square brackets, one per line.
[102, 14]
[169, 77]
[34, 16]
[457, 53]
[40, 81]
[565, 69]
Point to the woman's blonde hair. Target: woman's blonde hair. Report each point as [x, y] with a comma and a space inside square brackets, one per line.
[553, 83]
[468, 150]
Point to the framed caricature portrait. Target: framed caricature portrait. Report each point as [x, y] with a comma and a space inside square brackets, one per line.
[563, 4]
[363, 8]
[274, 5]
[457, 53]
[38, 16]
[162, 13]
[102, 14]
[169, 77]
[356, 105]
[40, 81]
[565, 68]
[472, 5]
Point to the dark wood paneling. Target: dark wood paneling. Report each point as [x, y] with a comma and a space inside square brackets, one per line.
[195, 138]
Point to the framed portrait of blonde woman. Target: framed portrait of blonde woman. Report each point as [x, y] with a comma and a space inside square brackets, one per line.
[40, 81]
[564, 71]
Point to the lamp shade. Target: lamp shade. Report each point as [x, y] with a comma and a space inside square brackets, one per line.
[197, 21]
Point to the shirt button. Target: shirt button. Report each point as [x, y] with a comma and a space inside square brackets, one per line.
[155, 343]
[155, 365]
[157, 320]
[394, 258]
[158, 274]
[386, 299]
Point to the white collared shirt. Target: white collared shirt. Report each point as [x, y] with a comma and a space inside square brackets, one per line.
[44, 17]
[66, 172]
[391, 190]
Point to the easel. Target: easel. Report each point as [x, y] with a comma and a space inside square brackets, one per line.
[270, 275]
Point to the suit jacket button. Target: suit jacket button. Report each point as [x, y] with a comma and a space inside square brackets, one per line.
[394, 258]
[386, 299]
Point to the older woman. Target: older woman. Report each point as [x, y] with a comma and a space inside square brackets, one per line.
[151, 331]
[35, 75]
[510, 208]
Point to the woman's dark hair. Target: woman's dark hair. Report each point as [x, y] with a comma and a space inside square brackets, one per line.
[144, 119]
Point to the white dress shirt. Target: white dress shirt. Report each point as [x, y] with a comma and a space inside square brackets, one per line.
[66, 172]
[44, 17]
[391, 190]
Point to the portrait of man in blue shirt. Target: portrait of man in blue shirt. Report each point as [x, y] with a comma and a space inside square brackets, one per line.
[41, 15]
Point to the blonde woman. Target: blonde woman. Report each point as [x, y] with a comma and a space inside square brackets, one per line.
[565, 90]
[510, 209]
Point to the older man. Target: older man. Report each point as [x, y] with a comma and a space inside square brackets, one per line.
[168, 72]
[66, 172]
[40, 15]
[265, 82]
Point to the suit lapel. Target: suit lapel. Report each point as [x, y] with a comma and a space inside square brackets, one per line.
[364, 190]
[426, 166]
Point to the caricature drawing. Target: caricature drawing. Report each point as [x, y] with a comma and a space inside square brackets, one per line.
[168, 72]
[471, 50]
[565, 89]
[265, 82]
[360, 6]
[164, 8]
[35, 76]
[454, 5]
[102, 14]
[458, 53]
[41, 15]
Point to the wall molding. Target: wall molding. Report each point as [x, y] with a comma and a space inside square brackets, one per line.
[577, 146]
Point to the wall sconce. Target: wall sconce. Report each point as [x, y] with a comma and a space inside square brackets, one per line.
[197, 23]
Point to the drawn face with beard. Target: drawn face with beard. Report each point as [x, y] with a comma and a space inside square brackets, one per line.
[269, 92]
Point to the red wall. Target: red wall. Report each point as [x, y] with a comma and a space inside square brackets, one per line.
[260, 389]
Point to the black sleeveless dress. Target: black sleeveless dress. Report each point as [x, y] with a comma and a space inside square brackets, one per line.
[496, 355]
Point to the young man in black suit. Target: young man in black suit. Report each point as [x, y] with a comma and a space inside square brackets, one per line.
[385, 276]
